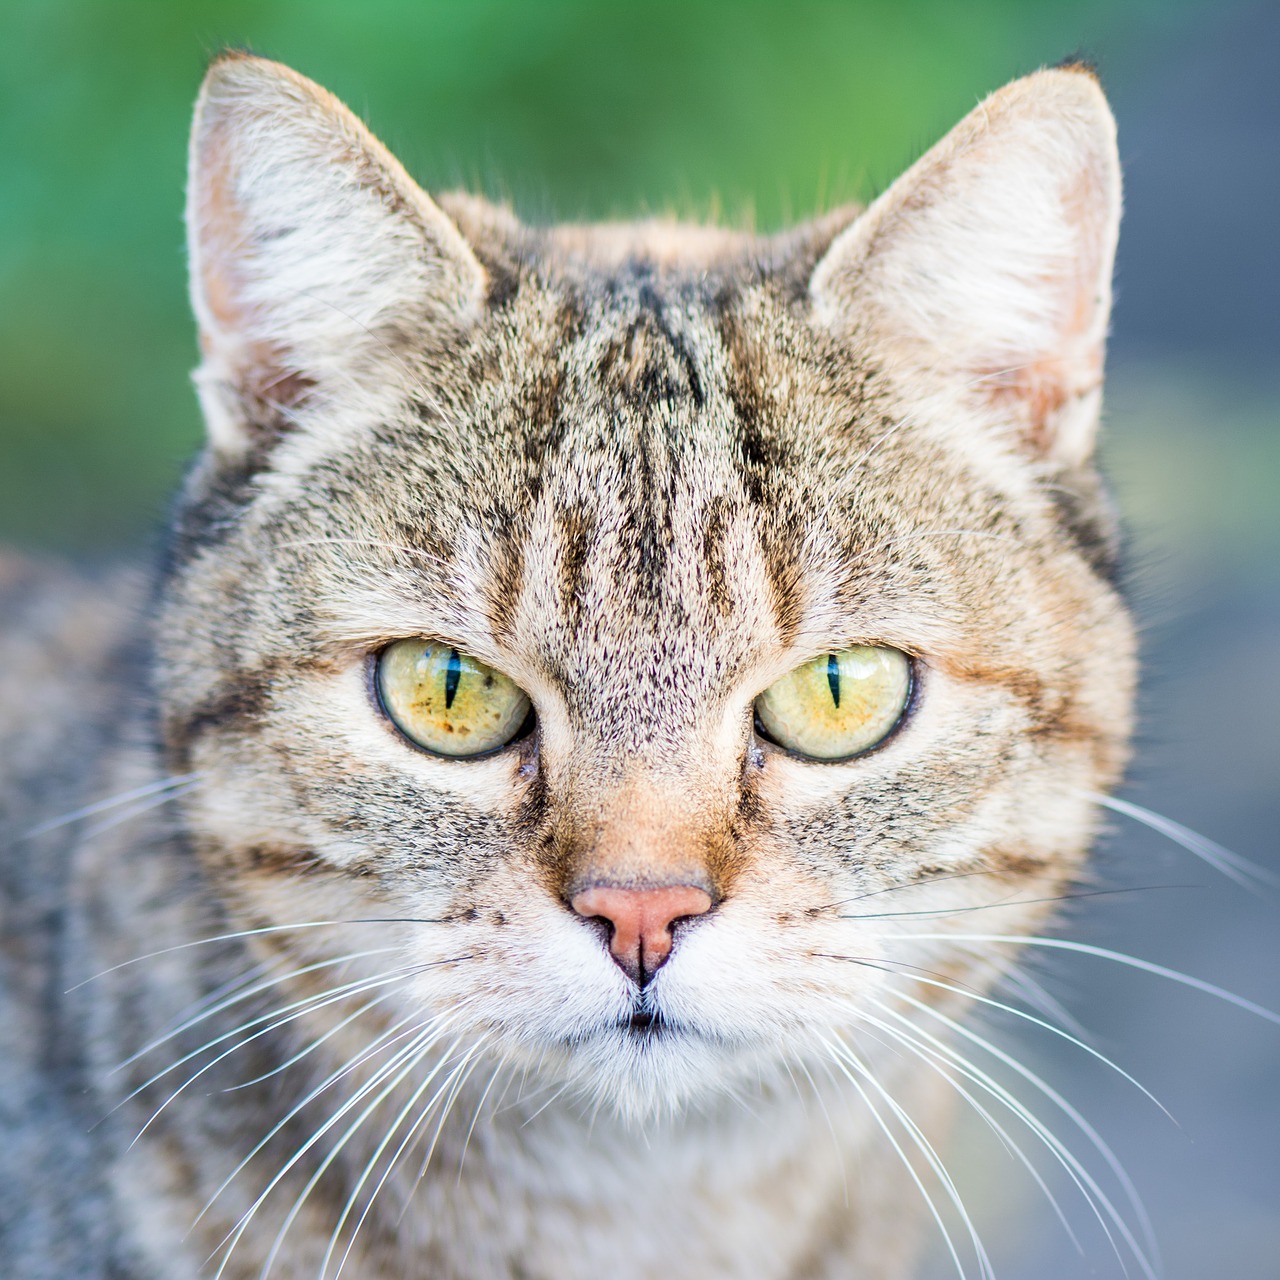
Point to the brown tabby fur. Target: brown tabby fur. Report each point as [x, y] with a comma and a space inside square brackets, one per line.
[645, 470]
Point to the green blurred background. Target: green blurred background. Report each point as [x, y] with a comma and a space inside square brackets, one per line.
[767, 113]
[568, 108]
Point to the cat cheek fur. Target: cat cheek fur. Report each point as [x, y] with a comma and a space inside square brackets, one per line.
[644, 470]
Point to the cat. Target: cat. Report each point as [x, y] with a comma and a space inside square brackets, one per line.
[531, 820]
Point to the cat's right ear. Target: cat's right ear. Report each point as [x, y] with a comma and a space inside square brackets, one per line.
[313, 256]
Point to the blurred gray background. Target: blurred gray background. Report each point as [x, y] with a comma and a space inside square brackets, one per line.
[768, 112]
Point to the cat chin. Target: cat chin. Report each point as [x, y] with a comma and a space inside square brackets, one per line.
[648, 1075]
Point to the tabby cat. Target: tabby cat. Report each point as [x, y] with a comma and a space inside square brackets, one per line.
[531, 822]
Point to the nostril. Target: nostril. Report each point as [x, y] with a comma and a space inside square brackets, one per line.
[640, 921]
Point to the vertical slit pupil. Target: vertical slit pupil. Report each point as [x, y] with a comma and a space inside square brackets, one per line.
[452, 674]
[833, 677]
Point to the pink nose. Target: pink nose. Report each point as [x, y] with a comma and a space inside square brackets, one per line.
[640, 921]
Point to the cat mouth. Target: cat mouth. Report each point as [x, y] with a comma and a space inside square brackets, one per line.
[644, 1024]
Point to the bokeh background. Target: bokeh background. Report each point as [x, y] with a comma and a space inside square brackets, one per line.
[766, 113]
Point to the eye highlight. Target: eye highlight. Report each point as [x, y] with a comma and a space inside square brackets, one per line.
[447, 702]
[838, 705]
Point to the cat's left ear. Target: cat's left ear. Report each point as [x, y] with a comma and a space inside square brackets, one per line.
[985, 270]
[316, 261]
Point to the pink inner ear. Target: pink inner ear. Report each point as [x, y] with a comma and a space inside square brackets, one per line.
[1039, 390]
[221, 239]
[259, 368]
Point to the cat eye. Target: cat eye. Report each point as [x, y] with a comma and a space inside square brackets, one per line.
[447, 702]
[838, 705]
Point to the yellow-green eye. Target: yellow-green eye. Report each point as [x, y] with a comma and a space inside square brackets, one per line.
[448, 702]
[838, 705]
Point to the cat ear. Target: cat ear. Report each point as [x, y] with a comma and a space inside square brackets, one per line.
[311, 251]
[988, 263]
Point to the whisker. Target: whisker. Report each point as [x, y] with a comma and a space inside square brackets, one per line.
[1035, 994]
[230, 1001]
[558, 1093]
[934, 1160]
[940, 1053]
[939, 1065]
[898, 888]
[314, 1045]
[475, 1117]
[1102, 953]
[251, 933]
[137, 810]
[1244, 872]
[295, 1011]
[111, 802]
[844, 1066]
[392, 1129]
[450, 1086]
[969, 994]
[1072, 1163]
[880, 962]
[822, 1103]
[191, 1012]
[387, 1038]
[944, 912]
[410, 1056]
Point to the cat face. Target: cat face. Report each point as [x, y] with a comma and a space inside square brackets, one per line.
[644, 474]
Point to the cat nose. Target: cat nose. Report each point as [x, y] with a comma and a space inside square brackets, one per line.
[640, 921]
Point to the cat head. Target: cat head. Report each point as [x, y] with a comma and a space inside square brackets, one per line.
[658, 630]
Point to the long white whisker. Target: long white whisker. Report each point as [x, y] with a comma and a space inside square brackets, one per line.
[927, 1149]
[137, 810]
[1221, 859]
[939, 1064]
[277, 1018]
[383, 1041]
[1103, 953]
[296, 1010]
[1098, 1201]
[410, 1056]
[475, 1117]
[1070, 1161]
[1039, 1022]
[454, 1091]
[230, 1001]
[315, 1044]
[248, 933]
[299, 1009]
[111, 802]
[822, 1104]
[558, 1093]
[1030, 991]
[845, 1070]
[459, 1073]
